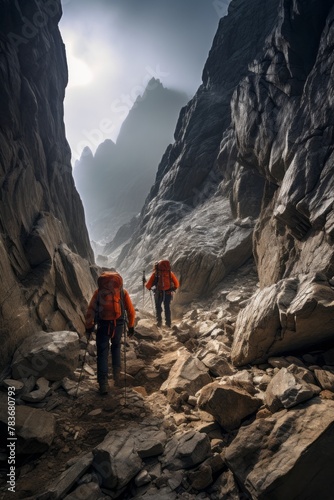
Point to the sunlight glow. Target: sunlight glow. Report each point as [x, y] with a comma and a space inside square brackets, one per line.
[79, 73]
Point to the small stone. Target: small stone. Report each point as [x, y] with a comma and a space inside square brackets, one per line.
[141, 390]
[94, 413]
[179, 419]
[17, 384]
[89, 369]
[327, 395]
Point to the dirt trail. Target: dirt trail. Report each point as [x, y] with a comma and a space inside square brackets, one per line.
[84, 421]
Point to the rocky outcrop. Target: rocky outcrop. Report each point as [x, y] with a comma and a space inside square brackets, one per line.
[251, 172]
[187, 215]
[283, 446]
[44, 245]
[288, 139]
[295, 313]
[34, 429]
[50, 355]
[229, 405]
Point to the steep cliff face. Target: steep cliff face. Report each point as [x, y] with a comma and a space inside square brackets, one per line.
[282, 115]
[45, 255]
[187, 215]
[258, 180]
[288, 139]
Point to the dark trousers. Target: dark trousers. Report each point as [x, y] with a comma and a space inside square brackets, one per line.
[165, 299]
[108, 334]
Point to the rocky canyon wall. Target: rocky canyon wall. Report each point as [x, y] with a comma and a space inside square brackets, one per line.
[288, 139]
[251, 172]
[187, 215]
[45, 254]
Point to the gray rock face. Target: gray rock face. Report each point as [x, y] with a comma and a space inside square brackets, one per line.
[39, 207]
[34, 428]
[292, 314]
[229, 405]
[186, 450]
[188, 198]
[294, 450]
[188, 374]
[251, 171]
[286, 390]
[283, 124]
[50, 355]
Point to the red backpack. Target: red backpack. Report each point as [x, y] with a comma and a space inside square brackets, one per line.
[163, 275]
[110, 296]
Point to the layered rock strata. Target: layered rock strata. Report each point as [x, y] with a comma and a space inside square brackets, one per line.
[255, 180]
[45, 254]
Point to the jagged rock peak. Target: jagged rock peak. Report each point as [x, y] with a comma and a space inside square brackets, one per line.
[86, 153]
[106, 147]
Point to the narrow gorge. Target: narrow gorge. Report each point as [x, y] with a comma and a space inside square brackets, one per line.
[236, 400]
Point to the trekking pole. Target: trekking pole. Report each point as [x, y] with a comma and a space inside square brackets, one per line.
[82, 367]
[125, 325]
[144, 281]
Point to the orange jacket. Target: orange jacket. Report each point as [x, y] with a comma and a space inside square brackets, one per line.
[92, 309]
[174, 279]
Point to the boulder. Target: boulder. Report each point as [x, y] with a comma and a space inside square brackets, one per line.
[188, 374]
[325, 379]
[218, 366]
[287, 455]
[225, 487]
[116, 460]
[287, 389]
[229, 405]
[186, 450]
[214, 355]
[43, 390]
[34, 428]
[293, 314]
[49, 355]
[150, 443]
[67, 480]
[145, 330]
[17, 384]
[242, 379]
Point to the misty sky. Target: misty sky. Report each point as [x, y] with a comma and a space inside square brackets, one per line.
[113, 49]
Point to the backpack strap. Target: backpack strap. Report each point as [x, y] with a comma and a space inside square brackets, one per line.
[123, 304]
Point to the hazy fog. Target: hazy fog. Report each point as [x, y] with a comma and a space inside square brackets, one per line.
[114, 47]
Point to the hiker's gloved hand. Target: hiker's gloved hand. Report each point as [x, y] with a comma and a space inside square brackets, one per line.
[131, 331]
[144, 280]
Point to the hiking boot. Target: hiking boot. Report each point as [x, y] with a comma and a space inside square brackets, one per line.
[158, 324]
[104, 388]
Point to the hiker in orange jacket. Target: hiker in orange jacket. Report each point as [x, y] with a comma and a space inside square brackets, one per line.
[107, 309]
[164, 282]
